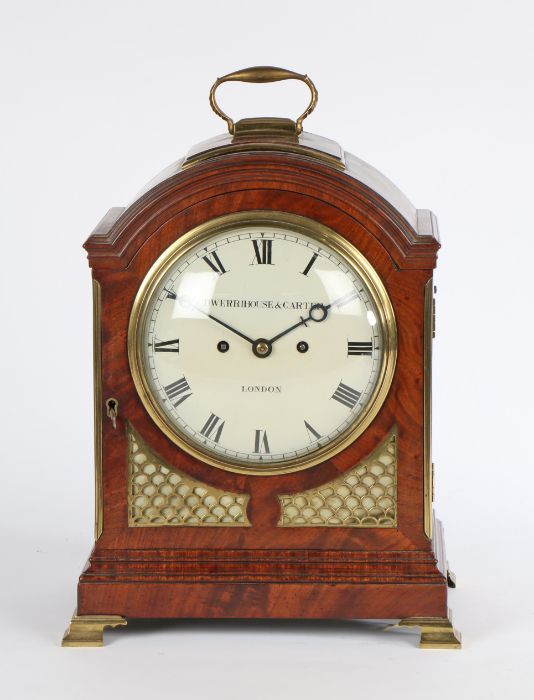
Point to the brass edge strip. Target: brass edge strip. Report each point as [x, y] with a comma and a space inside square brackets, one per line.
[97, 378]
[294, 149]
[427, 408]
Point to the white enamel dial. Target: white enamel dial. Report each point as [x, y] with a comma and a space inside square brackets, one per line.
[262, 346]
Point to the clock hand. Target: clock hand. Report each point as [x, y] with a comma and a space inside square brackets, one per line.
[263, 347]
[222, 323]
[318, 313]
[234, 330]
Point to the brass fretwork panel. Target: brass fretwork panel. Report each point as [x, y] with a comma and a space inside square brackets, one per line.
[365, 496]
[162, 495]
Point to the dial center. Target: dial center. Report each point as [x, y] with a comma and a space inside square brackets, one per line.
[262, 347]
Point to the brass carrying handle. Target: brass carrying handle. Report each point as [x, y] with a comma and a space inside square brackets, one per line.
[263, 74]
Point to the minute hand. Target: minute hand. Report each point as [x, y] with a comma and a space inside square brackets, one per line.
[223, 323]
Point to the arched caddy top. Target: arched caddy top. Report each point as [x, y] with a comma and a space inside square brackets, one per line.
[310, 162]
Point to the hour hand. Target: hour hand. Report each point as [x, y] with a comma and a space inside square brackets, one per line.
[318, 313]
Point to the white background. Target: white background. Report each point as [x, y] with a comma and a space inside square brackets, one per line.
[99, 96]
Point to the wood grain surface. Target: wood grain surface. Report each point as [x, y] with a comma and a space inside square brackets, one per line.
[263, 570]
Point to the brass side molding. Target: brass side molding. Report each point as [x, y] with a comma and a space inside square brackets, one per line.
[88, 630]
[428, 467]
[97, 375]
[436, 632]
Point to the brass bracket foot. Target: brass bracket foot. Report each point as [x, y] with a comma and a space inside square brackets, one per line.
[436, 632]
[88, 630]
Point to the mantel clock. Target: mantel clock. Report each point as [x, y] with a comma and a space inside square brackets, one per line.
[263, 322]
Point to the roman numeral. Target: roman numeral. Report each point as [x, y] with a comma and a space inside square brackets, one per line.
[312, 431]
[310, 264]
[180, 390]
[346, 395]
[170, 294]
[346, 298]
[263, 250]
[213, 260]
[167, 346]
[213, 424]
[356, 348]
[261, 443]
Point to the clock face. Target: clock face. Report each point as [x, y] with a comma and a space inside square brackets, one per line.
[262, 343]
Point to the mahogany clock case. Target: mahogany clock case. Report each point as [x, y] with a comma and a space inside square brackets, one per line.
[264, 569]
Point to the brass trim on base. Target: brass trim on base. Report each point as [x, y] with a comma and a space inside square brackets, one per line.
[436, 632]
[88, 630]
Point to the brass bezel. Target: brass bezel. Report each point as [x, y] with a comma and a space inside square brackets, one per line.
[323, 235]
